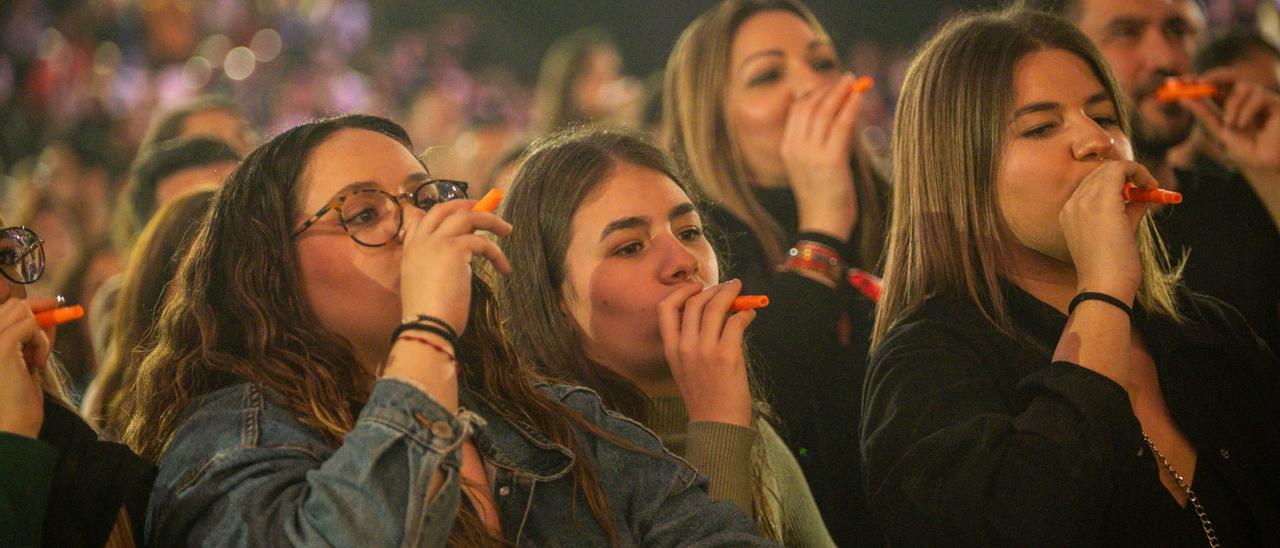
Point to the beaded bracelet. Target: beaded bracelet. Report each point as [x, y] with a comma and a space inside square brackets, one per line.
[815, 257]
[434, 346]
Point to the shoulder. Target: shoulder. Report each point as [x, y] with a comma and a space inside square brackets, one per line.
[588, 404]
[949, 323]
[1214, 321]
[231, 420]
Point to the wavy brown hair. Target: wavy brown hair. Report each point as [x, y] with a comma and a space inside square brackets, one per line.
[694, 120]
[153, 263]
[238, 314]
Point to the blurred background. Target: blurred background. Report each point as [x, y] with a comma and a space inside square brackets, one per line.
[82, 80]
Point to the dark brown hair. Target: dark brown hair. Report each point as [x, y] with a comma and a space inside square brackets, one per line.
[237, 313]
[152, 265]
[558, 173]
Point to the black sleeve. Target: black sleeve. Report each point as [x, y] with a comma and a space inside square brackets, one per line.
[953, 452]
[797, 336]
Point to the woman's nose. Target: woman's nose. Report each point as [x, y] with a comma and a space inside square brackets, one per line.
[1093, 143]
[679, 263]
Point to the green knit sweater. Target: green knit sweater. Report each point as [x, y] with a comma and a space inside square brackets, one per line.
[724, 454]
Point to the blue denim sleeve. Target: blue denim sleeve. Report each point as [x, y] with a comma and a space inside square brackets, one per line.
[663, 500]
[270, 481]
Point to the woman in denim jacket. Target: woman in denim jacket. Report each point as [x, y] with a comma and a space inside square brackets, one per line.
[286, 407]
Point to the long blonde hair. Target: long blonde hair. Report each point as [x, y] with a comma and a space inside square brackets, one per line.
[694, 92]
[946, 230]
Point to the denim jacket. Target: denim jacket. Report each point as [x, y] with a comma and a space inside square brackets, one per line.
[242, 471]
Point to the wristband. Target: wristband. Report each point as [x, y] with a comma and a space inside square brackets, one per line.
[423, 318]
[426, 327]
[434, 346]
[818, 258]
[1094, 296]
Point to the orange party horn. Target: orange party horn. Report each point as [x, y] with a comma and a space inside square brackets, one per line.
[1150, 195]
[749, 302]
[489, 202]
[59, 316]
[863, 83]
[1175, 90]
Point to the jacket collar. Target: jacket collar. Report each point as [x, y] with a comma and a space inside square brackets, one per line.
[516, 445]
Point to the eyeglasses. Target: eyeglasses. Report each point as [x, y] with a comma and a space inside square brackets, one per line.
[373, 217]
[21, 254]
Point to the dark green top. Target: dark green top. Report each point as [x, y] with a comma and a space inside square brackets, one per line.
[25, 483]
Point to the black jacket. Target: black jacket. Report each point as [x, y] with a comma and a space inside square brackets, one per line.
[92, 481]
[809, 347]
[973, 437]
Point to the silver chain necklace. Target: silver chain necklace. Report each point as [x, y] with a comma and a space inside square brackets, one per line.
[1209, 533]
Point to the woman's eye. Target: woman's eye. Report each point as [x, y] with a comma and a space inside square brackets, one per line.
[362, 216]
[1038, 131]
[691, 233]
[9, 256]
[627, 250]
[825, 65]
[765, 77]
[1106, 121]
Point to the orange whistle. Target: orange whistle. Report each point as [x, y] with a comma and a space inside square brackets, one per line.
[749, 302]
[863, 83]
[59, 316]
[866, 284]
[1151, 195]
[1174, 90]
[489, 202]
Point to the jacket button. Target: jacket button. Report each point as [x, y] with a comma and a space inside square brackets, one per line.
[442, 430]
[504, 491]
[1225, 454]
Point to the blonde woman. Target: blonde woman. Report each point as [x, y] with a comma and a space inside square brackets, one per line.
[1038, 375]
[764, 119]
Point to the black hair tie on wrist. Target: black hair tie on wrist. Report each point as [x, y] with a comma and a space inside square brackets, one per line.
[428, 328]
[453, 334]
[1094, 296]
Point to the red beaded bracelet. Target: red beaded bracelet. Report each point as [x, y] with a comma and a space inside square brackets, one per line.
[434, 346]
[815, 257]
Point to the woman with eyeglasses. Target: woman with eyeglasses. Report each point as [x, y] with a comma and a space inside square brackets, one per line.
[330, 371]
[60, 485]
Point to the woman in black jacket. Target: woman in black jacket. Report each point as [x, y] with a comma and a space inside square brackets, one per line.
[761, 113]
[1038, 376]
[59, 484]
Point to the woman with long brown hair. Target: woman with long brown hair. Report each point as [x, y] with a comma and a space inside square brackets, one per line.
[330, 370]
[153, 262]
[621, 292]
[1039, 375]
[761, 113]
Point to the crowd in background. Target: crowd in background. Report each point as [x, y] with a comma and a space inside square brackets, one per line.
[116, 118]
